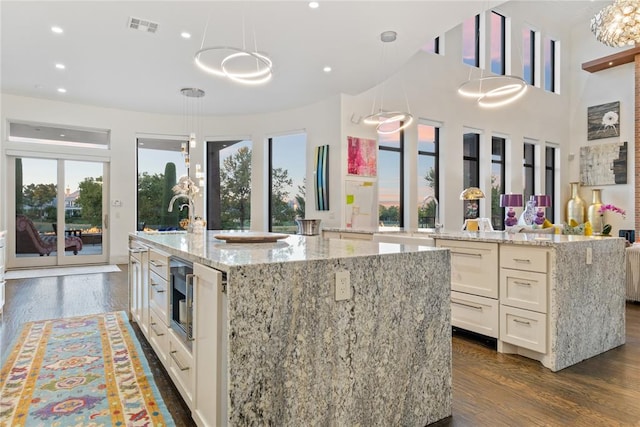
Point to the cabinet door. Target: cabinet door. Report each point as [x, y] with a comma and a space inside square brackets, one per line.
[134, 286]
[474, 267]
[209, 348]
[143, 320]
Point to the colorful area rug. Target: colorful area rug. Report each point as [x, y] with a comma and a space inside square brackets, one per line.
[83, 371]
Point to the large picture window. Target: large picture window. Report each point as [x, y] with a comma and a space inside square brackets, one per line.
[497, 48]
[471, 172]
[550, 55]
[471, 41]
[497, 180]
[528, 170]
[287, 171]
[550, 179]
[390, 183]
[428, 173]
[529, 40]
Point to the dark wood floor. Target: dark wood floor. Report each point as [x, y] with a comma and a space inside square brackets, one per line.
[489, 389]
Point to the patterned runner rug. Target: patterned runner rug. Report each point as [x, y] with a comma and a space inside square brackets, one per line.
[81, 371]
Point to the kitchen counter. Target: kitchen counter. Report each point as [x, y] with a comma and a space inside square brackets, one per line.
[561, 298]
[297, 356]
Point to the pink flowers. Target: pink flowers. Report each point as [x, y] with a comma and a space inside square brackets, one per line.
[611, 208]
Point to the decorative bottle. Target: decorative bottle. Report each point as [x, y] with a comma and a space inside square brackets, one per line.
[592, 212]
[576, 207]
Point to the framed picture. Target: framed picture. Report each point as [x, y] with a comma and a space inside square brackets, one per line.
[603, 164]
[603, 121]
[322, 178]
[362, 157]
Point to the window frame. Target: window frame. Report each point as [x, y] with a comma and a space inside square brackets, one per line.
[474, 180]
[498, 224]
[435, 154]
[400, 151]
[503, 43]
[550, 172]
[528, 170]
[477, 52]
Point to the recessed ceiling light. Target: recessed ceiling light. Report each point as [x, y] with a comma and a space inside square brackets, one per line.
[314, 4]
[185, 35]
[62, 135]
[327, 69]
[60, 66]
[57, 30]
[62, 90]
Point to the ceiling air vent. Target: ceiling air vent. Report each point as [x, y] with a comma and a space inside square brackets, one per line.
[143, 25]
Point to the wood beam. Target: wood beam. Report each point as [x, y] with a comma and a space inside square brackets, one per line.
[624, 57]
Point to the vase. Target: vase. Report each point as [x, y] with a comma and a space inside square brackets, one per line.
[593, 215]
[576, 207]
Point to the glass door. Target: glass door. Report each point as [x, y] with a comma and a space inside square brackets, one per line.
[59, 212]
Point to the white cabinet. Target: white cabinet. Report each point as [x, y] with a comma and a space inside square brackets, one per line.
[159, 304]
[210, 352]
[3, 241]
[139, 286]
[524, 285]
[181, 367]
[474, 286]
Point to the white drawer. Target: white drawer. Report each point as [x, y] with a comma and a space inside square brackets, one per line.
[181, 368]
[523, 328]
[523, 289]
[159, 263]
[523, 258]
[159, 296]
[474, 267]
[475, 314]
[158, 337]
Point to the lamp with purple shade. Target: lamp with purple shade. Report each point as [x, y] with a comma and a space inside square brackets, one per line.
[542, 201]
[510, 201]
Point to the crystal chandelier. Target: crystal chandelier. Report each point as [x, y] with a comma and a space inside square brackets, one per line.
[618, 24]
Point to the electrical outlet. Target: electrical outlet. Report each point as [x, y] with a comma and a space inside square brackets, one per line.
[589, 256]
[343, 285]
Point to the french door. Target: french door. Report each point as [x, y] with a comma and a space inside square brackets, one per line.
[59, 207]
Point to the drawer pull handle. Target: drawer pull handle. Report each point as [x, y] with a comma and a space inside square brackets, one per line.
[156, 263]
[517, 282]
[467, 254]
[522, 322]
[175, 359]
[526, 261]
[154, 329]
[475, 307]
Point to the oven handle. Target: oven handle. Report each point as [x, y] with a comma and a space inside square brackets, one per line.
[189, 296]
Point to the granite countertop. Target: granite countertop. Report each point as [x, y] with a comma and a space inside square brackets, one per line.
[533, 239]
[208, 250]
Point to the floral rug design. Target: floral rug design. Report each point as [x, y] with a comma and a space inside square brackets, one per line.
[83, 371]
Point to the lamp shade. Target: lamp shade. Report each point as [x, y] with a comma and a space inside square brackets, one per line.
[511, 200]
[542, 200]
[472, 193]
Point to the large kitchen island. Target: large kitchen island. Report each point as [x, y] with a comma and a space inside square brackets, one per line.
[276, 342]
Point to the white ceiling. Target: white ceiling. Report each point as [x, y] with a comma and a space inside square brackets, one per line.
[110, 65]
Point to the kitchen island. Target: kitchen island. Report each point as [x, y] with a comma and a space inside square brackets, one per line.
[275, 343]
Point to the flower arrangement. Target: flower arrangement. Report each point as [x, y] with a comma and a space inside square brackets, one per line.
[186, 187]
[606, 228]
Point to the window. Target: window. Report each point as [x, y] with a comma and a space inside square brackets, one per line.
[497, 180]
[432, 46]
[550, 179]
[287, 166]
[528, 164]
[229, 185]
[471, 172]
[497, 45]
[390, 184]
[428, 172]
[160, 165]
[550, 54]
[471, 41]
[529, 37]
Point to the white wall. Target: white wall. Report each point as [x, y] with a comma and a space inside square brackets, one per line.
[320, 122]
[589, 89]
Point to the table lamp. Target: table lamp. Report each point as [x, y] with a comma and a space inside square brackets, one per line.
[542, 201]
[470, 195]
[510, 200]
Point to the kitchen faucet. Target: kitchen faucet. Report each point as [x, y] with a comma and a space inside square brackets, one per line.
[437, 225]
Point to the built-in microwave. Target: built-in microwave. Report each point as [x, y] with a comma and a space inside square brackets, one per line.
[181, 299]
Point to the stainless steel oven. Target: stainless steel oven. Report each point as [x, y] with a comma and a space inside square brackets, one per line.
[181, 302]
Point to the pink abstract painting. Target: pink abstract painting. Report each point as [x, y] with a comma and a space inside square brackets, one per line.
[362, 157]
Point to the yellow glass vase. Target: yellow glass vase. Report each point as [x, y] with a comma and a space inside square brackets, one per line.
[594, 217]
[576, 207]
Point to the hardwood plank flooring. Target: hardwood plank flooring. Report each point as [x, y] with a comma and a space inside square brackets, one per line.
[77, 295]
[489, 389]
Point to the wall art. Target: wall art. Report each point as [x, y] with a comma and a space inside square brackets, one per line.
[603, 121]
[603, 164]
[362, 157]
[321, 178]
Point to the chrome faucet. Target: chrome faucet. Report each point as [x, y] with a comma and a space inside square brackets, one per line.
[185, 205]
[437, 225]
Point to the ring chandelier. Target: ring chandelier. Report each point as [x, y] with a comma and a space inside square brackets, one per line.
[618, 24]
[384, 119]
[494, 91]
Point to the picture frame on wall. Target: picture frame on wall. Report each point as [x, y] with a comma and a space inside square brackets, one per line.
[603, 121]
[321, 178]
[362, 157]
[604, 164]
